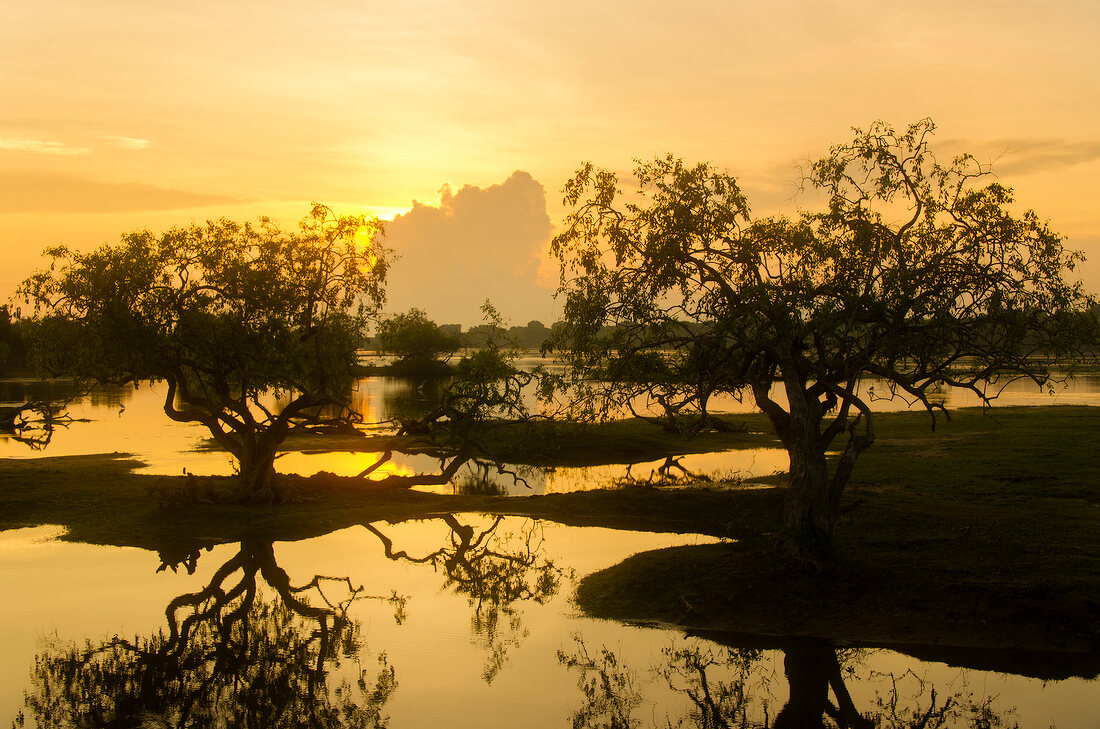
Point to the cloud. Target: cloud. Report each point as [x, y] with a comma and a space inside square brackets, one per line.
[128, 142]
[41, 146]
[1023, 156]
[37, 192]
[62, 149]
[476, 244]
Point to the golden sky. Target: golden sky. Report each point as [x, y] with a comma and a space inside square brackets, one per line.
[119, 114]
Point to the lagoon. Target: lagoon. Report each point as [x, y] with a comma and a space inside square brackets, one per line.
[464, 649]
[468, 621]
[131, 420]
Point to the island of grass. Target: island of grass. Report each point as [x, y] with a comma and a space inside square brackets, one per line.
[984, 533]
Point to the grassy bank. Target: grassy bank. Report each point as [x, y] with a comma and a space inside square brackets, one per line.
[985, 532]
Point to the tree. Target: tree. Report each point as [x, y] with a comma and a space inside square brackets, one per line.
[33, 423]
[13, 355]
[421, 345]
[253, 328]
[487, 389]
[916, 273]
[487, 385]
[532, 336]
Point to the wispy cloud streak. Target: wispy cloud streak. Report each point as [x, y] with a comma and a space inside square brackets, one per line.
[41, 146]
[1025, 156]
[36, 192]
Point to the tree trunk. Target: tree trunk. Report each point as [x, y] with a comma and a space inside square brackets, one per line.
[258, 481]
[809, 513]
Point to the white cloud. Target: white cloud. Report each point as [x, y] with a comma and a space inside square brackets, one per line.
[128, 142]
[476, 244]
[41, 146]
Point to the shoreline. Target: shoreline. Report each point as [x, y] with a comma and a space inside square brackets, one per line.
[984, 534]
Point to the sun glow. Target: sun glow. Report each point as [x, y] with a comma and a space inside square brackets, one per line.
[386, 212]
[342, 464]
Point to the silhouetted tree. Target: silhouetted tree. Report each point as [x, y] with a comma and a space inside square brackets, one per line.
[487, 387]
[254, 329]
[13, 351]
[532, 336]
[916, 272]
[421, 345]
[33, 423]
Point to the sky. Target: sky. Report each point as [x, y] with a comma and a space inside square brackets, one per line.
[462, 120]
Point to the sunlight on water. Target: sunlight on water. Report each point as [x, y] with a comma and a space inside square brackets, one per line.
[351, 464]
[16, 541]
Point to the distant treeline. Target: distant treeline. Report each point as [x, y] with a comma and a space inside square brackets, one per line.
[536, 335]
[13, 351]
[531, 336]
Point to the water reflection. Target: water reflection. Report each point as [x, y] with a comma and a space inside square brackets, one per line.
[727, 687]
[493, 570]
[33, 423]
[16, 391]
[252, 649]
[229, 656]
[131, 419]
[480, 635]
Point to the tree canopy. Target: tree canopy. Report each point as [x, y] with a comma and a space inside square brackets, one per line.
[254, 329]
[420, 345]
[916, 274]
[13, 354]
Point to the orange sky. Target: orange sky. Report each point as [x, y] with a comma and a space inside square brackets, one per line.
[116, 115]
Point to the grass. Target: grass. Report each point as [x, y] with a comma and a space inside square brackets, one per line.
[984, 532]
[552, 443]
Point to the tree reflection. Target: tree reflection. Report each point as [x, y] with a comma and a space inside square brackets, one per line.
[33, 423]
[494, 571]
[229, 656]
[611, 689]
[813, 669]
[252, 649]
[733, 687]
[717, 703]
[452, 458]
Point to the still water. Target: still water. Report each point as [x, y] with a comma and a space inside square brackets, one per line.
[131, 420]
[461, 621]
[457, 621]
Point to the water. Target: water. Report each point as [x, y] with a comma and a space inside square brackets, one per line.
[469, 624]
[131, 420]
[449, 634]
